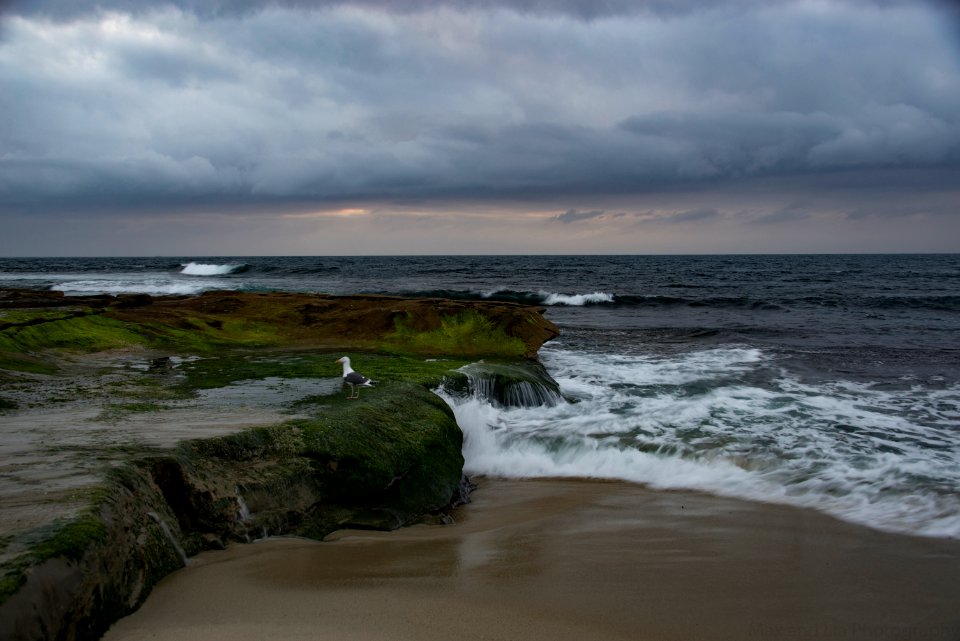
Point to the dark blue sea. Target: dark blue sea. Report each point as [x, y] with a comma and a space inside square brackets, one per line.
[828, 381]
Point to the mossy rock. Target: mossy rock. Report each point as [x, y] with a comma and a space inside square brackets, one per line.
[512, 384]
[395, 452]
[468, 333]
[398, 448]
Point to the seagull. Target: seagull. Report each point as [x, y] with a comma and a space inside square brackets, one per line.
[352, 378]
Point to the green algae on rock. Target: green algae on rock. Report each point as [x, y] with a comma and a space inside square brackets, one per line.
[215, 320]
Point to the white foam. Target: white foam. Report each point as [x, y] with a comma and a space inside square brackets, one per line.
[206, 269]
[492, 447]
[577, 300]
[701, 421]
[153, 286]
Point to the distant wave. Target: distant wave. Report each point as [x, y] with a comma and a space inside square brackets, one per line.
[594, 298]
[521, 297]
[208, 269]
[939, 303]
[577, 300]
[154, 287]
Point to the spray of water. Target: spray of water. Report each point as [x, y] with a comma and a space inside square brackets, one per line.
[729, 421]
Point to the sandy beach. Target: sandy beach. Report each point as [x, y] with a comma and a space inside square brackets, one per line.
[568, 559]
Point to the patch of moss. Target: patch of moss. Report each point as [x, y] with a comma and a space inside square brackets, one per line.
[184, 338]
[85, 333]
[25, 316]
[250, 333]
[204, 335]
[468, 334]
[72, 540]
[10, 582]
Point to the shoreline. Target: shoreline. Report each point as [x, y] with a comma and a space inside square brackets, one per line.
[572, 559]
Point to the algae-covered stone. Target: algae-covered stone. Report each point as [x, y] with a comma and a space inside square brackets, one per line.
[517, 384]
[400, 451]
[395, 453]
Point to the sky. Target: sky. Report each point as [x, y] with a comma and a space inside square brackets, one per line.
[504, 127]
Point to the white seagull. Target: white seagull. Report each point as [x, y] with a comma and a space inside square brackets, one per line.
[352, 378]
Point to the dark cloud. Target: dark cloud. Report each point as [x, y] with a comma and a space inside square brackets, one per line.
[585, 9]
[581, 9]
[278, 102]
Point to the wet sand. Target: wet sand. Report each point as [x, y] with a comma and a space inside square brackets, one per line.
[562, 560]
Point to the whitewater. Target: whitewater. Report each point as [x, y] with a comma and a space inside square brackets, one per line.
[729, 422]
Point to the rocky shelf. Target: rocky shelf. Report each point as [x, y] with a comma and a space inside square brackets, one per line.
[126, 449]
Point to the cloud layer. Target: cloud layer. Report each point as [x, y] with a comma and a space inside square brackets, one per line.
[137, 108]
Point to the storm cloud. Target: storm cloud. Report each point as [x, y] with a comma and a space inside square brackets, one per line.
[136, 107]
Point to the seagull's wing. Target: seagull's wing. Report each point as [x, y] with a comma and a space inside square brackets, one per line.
[354, 378]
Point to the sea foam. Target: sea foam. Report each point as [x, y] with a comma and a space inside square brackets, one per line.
[118, 284]
[729, 421]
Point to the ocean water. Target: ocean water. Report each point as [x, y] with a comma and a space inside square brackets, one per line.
[829, 382]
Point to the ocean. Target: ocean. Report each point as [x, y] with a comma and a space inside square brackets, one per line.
[830, 382]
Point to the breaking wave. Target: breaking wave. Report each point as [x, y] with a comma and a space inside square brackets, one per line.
[577, 300]
[730, 421]
[208, 269]
[154, 286]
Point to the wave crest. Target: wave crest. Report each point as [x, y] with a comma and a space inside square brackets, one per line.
[577, 300]
[208, 269]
